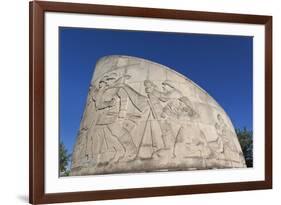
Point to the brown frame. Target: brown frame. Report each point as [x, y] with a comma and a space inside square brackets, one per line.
[37, 95]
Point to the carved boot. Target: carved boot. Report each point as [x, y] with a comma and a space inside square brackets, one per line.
[130, 148]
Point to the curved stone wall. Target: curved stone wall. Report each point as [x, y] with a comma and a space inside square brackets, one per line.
[141, 116]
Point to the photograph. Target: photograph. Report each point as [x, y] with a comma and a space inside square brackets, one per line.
[143, 101]
[140, 102]
[129, 102]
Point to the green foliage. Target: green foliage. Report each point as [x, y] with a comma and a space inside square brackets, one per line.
[245, 138]
[64, 158]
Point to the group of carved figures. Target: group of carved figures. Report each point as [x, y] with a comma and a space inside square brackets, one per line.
[115, 113]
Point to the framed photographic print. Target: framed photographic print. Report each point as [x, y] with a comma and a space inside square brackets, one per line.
[139, 102]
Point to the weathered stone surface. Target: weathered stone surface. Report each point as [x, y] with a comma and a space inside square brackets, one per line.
[142, 116]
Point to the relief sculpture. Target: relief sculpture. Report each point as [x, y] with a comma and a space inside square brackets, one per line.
[139, 123]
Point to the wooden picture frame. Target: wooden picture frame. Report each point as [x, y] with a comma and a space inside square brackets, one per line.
[37, 194]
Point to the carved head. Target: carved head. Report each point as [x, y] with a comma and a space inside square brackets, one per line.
[102, 84]
[219, 117]
[168, 85]
[110, 78]
[149, 86]
[217, 126]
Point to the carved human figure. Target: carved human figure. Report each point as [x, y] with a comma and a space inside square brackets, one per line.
[178, 110]
[155, 97]
[223, 140]
[101, 146]
[178, 106]
[167, 106]
[114, 124]
[81, 147]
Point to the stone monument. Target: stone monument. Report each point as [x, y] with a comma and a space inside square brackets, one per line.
[141, 116]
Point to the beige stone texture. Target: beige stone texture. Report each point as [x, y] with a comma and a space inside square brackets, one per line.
[141, 116]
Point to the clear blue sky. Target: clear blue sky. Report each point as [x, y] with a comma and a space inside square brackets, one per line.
[221, 65]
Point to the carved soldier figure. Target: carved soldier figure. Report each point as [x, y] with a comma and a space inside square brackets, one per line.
[163, 144]
[227, 149]
[223, 139]
[101, 145]
[114, 121]
[168, 106]
[178, 106]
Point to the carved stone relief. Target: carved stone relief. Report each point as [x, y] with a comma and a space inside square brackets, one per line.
[132, 124]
